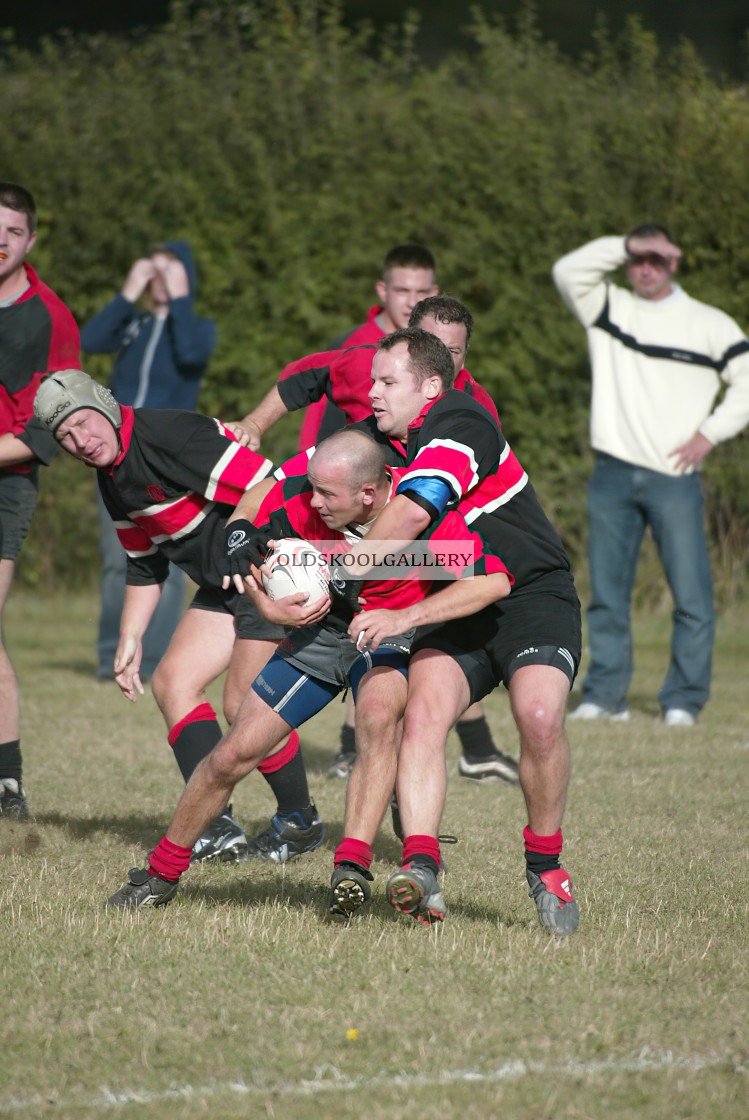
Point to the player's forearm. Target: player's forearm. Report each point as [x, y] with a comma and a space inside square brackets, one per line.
[140, 603]
[14, 451]
[459, 599]
[270, 410]
[248, 505]
[398, 525]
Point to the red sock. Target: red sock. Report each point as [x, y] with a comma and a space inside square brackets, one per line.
[542, 852]
[545, 845]
[169, 860]
[353, 851]
[280, 758]
[193, 737]
[416, 845]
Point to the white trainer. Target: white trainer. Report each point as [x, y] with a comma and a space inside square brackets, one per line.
[678, 717]
[588, 710]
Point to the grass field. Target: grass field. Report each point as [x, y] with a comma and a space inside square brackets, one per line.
[240, 1000]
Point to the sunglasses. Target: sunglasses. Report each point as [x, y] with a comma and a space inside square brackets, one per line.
[655, 260]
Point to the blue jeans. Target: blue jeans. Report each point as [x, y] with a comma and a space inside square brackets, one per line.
[165, 617]
[622, 500]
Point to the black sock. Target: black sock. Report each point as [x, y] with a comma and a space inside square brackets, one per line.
[422, 860]
[358, 867]
[538, 862]
[348, 740]
[475, 737]
[11, 765]
[194, 742]
[289, 785]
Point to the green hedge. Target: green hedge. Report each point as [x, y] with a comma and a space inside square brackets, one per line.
[293, 153]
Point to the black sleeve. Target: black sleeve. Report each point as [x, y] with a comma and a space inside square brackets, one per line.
[304, 386]
[40, 441]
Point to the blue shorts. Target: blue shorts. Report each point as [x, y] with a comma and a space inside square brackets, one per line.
[297, 695]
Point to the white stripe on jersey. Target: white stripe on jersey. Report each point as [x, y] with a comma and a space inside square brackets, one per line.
[280, 474]
[136, 553]
[185, 530]
[453, 445]
[215, 478]
[471, 515]
[448, 479]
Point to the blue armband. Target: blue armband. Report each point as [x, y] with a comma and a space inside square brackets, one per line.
[430, 493]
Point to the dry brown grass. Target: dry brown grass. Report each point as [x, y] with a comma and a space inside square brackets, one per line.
[236, 1000]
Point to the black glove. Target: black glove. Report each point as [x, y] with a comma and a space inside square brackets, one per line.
[342, 585]
[245, 545]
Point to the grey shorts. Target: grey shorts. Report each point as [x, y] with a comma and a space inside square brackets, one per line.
[248, 623]
[330, 655]
[18, 495]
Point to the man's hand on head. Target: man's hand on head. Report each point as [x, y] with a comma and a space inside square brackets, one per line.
[140, 275]
[176, 279]
[656, 245]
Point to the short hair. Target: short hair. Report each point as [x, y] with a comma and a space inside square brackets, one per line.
[408, 255]
[427, 355]
[445, 309]
[365, 458]
[16, 197]
[651, 229]
[165, 251]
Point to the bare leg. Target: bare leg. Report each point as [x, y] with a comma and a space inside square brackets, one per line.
[252, 736]
[249, 656]
[9, 697]
[380, 702]
[538, 695]
[437, 694]
[199, 652]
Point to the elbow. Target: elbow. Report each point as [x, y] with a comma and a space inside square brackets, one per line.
[418, 520]
[558, 276]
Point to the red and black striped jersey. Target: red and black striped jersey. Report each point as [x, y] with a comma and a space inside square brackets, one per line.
[38, 335]
[177, 478]
[321, 418]
[453, 439]
[287, 511]
[345, 376]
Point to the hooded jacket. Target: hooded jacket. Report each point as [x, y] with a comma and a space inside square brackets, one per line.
[160, 362]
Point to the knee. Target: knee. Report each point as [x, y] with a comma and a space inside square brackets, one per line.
[231, 704]
[541, 726]
[375, 730]
[162, 684]
[426, 723]
[227, 763]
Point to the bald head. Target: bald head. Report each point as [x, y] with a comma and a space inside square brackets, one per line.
[356, 452]
[349, 480]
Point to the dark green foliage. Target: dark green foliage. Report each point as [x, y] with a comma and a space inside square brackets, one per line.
[293, 153]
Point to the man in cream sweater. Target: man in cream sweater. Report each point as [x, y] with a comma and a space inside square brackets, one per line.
[658, 358]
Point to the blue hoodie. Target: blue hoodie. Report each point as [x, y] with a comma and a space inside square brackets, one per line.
[160, 362]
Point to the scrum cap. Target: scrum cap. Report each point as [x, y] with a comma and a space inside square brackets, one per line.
[65, 392]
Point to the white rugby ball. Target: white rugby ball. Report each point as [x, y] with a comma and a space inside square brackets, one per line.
[293, 566]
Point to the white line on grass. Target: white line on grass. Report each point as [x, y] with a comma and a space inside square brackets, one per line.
[329, 1079]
